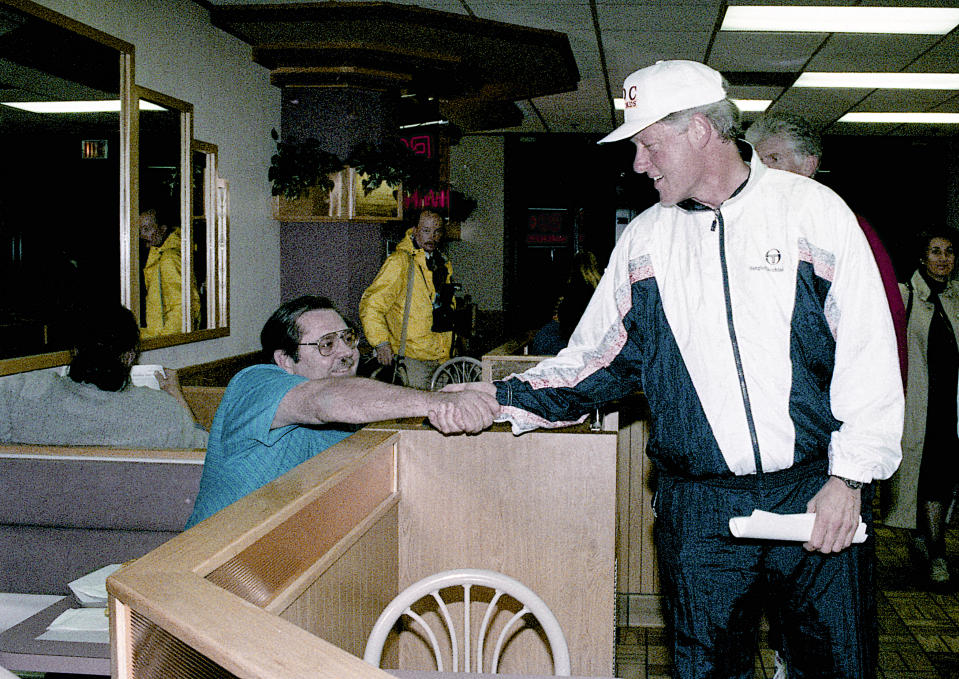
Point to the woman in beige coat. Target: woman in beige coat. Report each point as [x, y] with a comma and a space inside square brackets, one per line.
[920, 492]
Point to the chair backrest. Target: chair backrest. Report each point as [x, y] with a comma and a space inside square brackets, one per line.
[456, 370]
[464, 579]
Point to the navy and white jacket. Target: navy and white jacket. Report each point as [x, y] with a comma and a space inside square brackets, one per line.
[759, 332]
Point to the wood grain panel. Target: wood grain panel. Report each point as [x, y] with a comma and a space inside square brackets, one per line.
[635, 553]
[540, 508]
[344, 602]
[203, 402]
[295, 549]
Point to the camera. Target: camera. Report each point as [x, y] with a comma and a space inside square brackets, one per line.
[444, 316]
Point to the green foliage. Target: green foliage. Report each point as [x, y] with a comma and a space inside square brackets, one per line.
[298, 166]
[392, 163]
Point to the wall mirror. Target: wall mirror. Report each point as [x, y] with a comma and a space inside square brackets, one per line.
[209, 231]
[60, 184]
[86, 149]
[179, 239]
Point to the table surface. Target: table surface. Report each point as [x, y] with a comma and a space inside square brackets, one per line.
[20, 650]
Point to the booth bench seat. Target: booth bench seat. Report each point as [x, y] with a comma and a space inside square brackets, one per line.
[66, 511]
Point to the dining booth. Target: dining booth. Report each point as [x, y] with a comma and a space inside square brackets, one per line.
[288, 581]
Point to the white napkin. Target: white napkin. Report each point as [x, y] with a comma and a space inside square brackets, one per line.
[90, 625]
[91, 589]
[143, 375]
[770, 526]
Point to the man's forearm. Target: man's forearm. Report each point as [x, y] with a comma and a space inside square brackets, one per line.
[356, 400]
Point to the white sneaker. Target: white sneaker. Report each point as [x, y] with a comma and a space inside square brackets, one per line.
[780, 666]
[939, 570]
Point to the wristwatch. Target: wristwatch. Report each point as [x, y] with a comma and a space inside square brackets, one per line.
[854, 485]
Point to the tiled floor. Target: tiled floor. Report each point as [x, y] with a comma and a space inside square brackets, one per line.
[919, 623]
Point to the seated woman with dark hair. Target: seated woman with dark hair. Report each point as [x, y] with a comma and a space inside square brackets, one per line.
[95, 404]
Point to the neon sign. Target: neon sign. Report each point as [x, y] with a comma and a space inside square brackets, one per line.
[437, 198]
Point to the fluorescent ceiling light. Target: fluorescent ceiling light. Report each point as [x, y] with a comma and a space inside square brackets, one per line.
[77, 106]
[917, 20]
[752, 105]
[891, 81]
[748, 105]
[431, 122]
[903, 117]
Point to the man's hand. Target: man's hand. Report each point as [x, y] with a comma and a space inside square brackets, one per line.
[468, 411]
[169, 382]
[384, 353]
[837, 508]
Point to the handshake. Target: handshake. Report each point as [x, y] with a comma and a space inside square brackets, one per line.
[468, 407]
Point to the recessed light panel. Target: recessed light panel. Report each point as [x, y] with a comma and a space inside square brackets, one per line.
[752, 105]
[902, 81]
[901, 117]
[807, 19]
[76, 106]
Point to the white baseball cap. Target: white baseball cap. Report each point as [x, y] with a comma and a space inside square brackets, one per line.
[652, 93]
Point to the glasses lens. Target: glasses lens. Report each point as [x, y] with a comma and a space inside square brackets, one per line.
[327, 343]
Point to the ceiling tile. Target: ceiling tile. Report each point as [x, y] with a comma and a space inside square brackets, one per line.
[904, 100]
[653, 17]
[821, 106]
[627, 51]
[941, 57]
[748, 51]
[879, 53]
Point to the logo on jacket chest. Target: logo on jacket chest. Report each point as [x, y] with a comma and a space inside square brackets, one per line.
[771, 261]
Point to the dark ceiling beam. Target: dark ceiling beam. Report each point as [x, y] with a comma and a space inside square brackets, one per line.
[249, 21]
[459, 58]
[602, 61]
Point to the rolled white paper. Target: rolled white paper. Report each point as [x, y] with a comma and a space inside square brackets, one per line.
[770, 526]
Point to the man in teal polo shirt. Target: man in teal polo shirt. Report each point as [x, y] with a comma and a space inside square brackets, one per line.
[275, 415]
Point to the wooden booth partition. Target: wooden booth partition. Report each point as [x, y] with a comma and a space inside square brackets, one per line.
[288, 581]
[285, 583]
[637, 573]
[538, 507]
[510, 357]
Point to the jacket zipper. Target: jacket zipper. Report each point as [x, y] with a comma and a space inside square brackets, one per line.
[750, 422]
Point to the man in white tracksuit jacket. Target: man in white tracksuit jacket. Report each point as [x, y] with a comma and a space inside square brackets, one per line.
[748, 307]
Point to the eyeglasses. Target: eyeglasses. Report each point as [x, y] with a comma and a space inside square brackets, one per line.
[327, 343]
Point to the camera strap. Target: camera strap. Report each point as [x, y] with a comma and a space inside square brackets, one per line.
[406, 309]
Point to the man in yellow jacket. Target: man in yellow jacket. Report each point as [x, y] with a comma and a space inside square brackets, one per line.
[428, 336]
[162, 279]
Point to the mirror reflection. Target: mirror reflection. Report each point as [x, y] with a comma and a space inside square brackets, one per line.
[201, 231]
[59, 181]
[169, 295]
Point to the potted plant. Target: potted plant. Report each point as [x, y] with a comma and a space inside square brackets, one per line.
[390, 163]
[296, 167]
